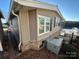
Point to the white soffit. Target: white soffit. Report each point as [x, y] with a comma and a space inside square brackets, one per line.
[36, 4]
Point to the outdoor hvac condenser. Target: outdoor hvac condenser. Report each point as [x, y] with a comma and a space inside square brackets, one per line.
[54, 44]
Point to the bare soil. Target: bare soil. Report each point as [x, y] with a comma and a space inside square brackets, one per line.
[41, 54]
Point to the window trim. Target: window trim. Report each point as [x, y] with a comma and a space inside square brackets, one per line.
[56, 21]
[44, 25]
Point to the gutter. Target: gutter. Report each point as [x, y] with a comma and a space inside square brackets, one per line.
[19, 46]
[10, 8]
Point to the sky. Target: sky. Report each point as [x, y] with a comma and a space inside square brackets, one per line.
[68, 8]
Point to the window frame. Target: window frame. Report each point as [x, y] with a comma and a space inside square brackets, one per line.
[38, 24]
[56, 21]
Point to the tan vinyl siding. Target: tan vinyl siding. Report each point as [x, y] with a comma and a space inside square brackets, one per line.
[47, 13]
[24, 22]
[33, 25]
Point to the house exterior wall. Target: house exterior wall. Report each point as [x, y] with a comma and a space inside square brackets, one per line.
[33, 25]
[50, 14]
[25, 31]
[55, 30]
[35, 40]
[28, 21]
[29, 27]
[33, 28]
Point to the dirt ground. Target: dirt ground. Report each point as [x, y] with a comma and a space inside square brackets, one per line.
[42, 54]
[30, 54]
[34, 54]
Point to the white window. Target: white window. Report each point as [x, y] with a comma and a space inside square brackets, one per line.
[43, 24]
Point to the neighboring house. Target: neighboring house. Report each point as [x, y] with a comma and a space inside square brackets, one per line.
[34, 21]
[1, 31]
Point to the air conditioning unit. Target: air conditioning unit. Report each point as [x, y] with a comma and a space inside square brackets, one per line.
[54, 44]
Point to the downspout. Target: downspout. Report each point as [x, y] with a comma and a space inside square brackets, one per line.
[19, 46]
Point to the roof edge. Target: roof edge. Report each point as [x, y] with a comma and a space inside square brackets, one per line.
[39, 4]
[36, 4]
